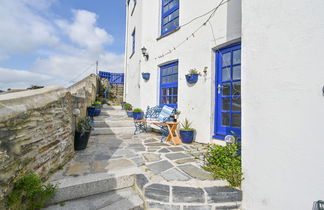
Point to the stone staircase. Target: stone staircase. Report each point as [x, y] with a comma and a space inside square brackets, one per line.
[111, 190]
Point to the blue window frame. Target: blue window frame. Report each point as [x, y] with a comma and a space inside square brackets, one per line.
[228, 91]
[133, 42]
[170, 15]
[169, 85]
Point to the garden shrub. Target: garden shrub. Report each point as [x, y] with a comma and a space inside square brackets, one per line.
[29, 193]
[224, 163]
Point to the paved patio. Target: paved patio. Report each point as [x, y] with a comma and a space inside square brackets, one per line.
[168, 176]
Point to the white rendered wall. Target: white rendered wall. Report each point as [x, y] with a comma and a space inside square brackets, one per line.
[196, 102]
[283, 104]
[132, 61]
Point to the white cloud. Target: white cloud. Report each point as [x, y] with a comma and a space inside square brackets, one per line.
[21, 30]
[12, 78]
[83, 31]
[25, 29]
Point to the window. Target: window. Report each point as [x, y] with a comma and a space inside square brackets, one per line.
[169, 85]
[170, 15]
[133, 42]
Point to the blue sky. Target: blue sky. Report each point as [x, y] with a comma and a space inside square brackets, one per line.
[51, 42]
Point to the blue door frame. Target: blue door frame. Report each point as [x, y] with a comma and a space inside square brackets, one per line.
[169, 85]
[228, 91]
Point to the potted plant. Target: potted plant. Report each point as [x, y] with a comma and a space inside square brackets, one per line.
[192, 77]
[91, 111]
[97, 104]
[82, 134]
[186, 132]
[138, 114]
[146, 76]
[128, 107]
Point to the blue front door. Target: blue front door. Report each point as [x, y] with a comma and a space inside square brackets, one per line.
[228, 91]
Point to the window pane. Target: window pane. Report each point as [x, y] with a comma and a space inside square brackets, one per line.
[166, 2]
[236, 120]
[169, 100]
[174, 15]
[165, 20]
[225, 119]
[226, 74]
[175, 69]
[236, 89]
[163, 100]
[226, 104]
[174, 100]
[237, 57]
[175, 91]
[166, 8]
[226, 90]
[236, 72]
[236, 103]
[164, 92]
[163, 80]
[226, 59]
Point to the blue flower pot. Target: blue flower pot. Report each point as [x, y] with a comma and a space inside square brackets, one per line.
[129, 114]
[146, 76]
[97, 112]
[192, 78]
[91, 111]
[138, 115]
[186, 136]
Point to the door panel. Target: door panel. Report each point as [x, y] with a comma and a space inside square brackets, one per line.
[228, 91]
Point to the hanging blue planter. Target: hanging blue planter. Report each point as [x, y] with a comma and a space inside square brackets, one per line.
[187, 136]
[146, 76]
[138, 115]
[192, 78]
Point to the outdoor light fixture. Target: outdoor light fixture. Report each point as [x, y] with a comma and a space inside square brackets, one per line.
[144, 52]
[205, 70]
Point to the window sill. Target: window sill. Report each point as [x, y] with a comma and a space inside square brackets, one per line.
[169, 33]
[131, 55]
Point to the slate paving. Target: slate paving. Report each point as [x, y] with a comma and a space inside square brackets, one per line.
[171, 176]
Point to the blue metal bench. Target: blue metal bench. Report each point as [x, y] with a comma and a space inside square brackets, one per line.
[157, 116]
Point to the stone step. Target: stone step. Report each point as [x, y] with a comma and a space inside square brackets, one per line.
[82, 186]
[113, 131]
[124, 199]
[110, 123]
[107, 107]
[113, 113]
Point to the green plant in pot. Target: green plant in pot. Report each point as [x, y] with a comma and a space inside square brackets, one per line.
[128, 107]
[82, 134]
[192, 76]
[186, 132]
[97, 104]
[138, 114]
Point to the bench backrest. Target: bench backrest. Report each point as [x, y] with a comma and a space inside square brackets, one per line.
[165, 113]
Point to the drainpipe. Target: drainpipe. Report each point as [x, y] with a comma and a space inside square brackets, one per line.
[126, 53]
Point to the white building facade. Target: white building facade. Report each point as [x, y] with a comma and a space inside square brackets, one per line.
[282, 85]
[177, 40]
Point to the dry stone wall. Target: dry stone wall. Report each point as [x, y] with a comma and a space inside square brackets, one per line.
[37, 128]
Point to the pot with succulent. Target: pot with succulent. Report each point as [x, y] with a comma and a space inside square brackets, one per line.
[82, 134]
[128, 107]
[97, 105]
[186, 132]
[192, 76]
[138, 114]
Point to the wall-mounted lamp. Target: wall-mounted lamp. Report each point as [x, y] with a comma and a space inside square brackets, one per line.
[205, 70]
[144, 52]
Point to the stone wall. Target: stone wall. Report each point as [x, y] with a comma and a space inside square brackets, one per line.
[36, 129]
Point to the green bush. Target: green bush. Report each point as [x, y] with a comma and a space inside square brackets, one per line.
[128, 106]
[224, 163]
[29, 193]
[137, 110]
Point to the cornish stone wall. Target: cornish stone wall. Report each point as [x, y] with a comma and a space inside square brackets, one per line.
[36, 129]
